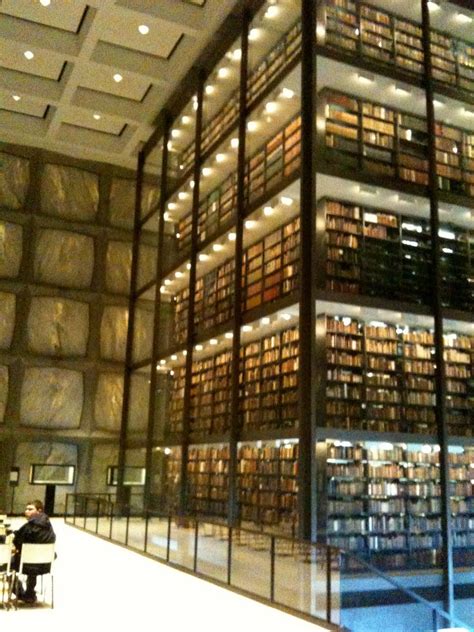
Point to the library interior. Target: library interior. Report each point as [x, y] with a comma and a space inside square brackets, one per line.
[237, 329]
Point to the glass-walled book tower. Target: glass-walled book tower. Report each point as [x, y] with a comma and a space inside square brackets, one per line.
[311, 371]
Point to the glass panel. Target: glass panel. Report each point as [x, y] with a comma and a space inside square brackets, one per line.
[136, 533]
[251, 562]
[157, 536]
[182, 542]
[138, 408]
[213, 550]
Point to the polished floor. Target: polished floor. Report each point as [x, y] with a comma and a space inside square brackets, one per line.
[101, 586]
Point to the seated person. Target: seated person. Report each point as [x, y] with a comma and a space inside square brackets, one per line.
[38, 530]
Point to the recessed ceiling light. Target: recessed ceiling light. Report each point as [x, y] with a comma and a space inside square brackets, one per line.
[247, 328]
[462, 18]
[118, 77]
[175, 133]
[210, 89]
[252, 126]
[185, 120]
[234, 143]
[433, 6]
[265, 320]
[254, 34]
[213, 341]
[237, 54]
[28, 54]
[268, 210]
[231, 236]
[222, 73]
[206, 172]
[286, 93]
[271, 107]
[144, 29]
[217, 247]
[272, 12]
[97, 117]
[45, 3]
[250, 223]
[16, 97]
[286, 200]
[220, 157]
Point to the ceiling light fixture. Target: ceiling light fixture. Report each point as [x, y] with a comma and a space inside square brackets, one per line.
[247, 328]
[365, 77]
[203, 257]
[234, 143]
[144, 29]
[97, 117]
[271, 12]
[210, 89]
[229, 335]
[250, 223]
[286, 200]
[213, 341]
[254, 34]
[207, 171]
[231, 236]
[28, 54]
[237, 54]
[462, 18]
[175, 133]
[16, 97]
[185, 120]
[265, 321]
[217, 247]
[268, 210]
[220, 157]
[271, 107]
[223, 73]
[286, 93]
[433, 6]
[118, 77]
[252, 126]
[45, 3]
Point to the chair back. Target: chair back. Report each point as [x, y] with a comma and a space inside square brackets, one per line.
[36, 554]
[5, 557]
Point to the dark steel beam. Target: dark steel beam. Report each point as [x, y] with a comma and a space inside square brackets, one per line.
[440, 373]
[232, 512]
[191, 334]
[157, 315]
[307, 321]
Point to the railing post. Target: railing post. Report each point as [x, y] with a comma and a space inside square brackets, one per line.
[272, 569]
[147, 518]
[196, 534]
[435, 621]
[168, 539]
[229, 556]
[127, 524]
[85, 512]
[328, 584]
[97, 516]
[74, 511]
[111, 520]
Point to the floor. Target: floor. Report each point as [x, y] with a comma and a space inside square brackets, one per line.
[101, 586]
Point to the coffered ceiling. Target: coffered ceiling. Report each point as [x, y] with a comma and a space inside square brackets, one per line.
[87, 78]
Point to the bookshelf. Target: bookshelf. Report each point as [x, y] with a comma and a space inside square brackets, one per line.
[392, 144]
[383, 500]
[379, 253]
[208, 474]
[269, 379]
[267, 484]
[380, 377]
[392, 41]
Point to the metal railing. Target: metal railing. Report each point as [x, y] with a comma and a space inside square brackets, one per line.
[333, 587]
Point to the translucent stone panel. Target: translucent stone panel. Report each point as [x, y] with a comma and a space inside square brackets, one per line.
[143, 335]
[3, 391]
[113, 333]
[146, 265]
[42, 453]
[69, 192]
[150, 198]
[7, 319]
[103, 457]
[118, 267]
[64, 258]
[122, 203]
[58, 327]
[139, 395]
[10, 249]
[108, 402]
[14, 180]
[51, 398]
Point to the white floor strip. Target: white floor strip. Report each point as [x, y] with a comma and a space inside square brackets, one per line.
[102, 587]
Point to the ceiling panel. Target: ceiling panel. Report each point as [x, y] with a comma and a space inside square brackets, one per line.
[101, 78]
[89, 120]
[23, 105]
[60, 14]
[44, 63]
[159, 40]
[78, 46]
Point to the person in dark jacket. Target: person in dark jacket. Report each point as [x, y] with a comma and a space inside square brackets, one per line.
[38, 530]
